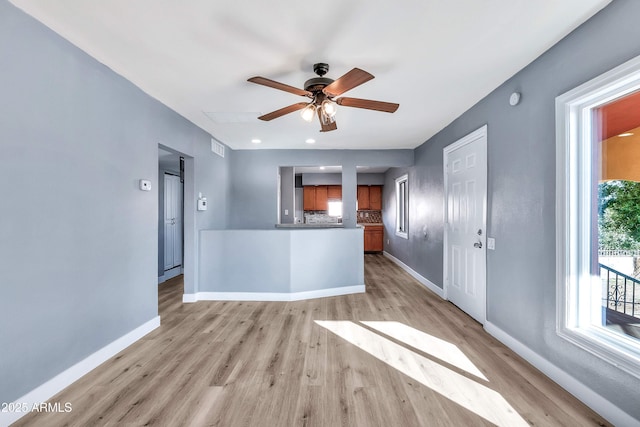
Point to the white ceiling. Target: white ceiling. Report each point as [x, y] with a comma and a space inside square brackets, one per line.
[435, 58]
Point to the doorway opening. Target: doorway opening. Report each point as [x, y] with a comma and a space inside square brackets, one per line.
[170, 214]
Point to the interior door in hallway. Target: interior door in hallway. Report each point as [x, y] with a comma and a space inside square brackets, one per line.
[172, 222]
[465, 223]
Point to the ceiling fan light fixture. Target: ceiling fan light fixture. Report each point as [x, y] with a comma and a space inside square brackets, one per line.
[329, 108]
[326, 119]
[308, 112]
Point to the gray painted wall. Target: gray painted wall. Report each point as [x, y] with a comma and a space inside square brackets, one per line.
[78, 239]
[287, 195]
[321, 179]
[281, 260]
[521, 288]
[336, 179]
[371, 178]
[254, 179]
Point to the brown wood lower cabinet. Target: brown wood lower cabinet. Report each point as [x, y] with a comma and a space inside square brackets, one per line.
[373, 238]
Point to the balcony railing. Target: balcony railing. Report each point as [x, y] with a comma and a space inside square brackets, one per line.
[619, 252]
[621, 292]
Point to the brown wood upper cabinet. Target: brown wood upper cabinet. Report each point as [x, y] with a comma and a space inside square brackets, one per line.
[375, 198]
[370, 197]
[309, 198]
[315, 198]
[363, 197]
[321, 198]
[334, 192]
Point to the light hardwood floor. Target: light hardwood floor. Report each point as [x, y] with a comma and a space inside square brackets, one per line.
[276, 364]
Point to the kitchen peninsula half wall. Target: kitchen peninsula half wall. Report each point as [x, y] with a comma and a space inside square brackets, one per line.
[283, 264]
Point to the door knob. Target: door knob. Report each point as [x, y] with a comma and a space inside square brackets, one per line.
[478, 245]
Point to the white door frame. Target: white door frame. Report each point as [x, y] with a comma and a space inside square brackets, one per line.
[189, 229]
[479, 134]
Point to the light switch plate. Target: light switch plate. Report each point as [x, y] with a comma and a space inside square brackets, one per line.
[491, 243]
[145, 185]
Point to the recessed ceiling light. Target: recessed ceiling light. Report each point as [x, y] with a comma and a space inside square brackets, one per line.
[626, 134]
[256, 141]
[310, 141]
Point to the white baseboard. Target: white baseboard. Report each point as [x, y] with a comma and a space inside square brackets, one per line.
[423, 280]
[272, 296]
[188, 298]
[170, 274]
[50, 388]
[598, 403]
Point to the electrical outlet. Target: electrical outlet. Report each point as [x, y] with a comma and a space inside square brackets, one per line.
[491, 243]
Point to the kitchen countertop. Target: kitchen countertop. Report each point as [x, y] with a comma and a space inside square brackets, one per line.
[320, 225]
[328, 225]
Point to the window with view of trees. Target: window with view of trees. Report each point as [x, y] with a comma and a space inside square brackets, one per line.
[598, 221]
[619, 215]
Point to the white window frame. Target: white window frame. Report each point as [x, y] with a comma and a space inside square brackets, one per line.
[576, 285]
[402, 212]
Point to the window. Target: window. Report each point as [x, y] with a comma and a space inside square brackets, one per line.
[335, 208]
[402, 206]
[598, 306]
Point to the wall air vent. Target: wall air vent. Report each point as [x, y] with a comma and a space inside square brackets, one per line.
[217, 148]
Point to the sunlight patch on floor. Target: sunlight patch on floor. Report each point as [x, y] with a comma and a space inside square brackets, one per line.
[429, 344]
[466, 392]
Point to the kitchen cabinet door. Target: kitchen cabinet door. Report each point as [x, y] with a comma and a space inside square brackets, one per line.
[309, 198]
[363, 197]
[334, 192]
[375, 198]
[373, 238]
[321, 198]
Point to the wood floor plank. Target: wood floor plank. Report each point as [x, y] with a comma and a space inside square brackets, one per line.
[235, 364]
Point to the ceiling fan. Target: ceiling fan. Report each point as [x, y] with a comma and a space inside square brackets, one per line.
[324, 93]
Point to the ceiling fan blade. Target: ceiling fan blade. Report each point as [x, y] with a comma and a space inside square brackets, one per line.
[387, 107]
[350, 80]
[326, 127]
[281, 86]
[281, 112]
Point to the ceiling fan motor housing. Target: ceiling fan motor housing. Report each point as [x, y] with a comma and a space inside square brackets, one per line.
[321, 68]
[316, 84]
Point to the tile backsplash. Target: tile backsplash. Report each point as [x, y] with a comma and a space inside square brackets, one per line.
[369, 217]
[320, 217]
[364, 217]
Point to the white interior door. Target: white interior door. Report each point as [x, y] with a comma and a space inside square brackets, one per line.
[465, 223]
[172, 222]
